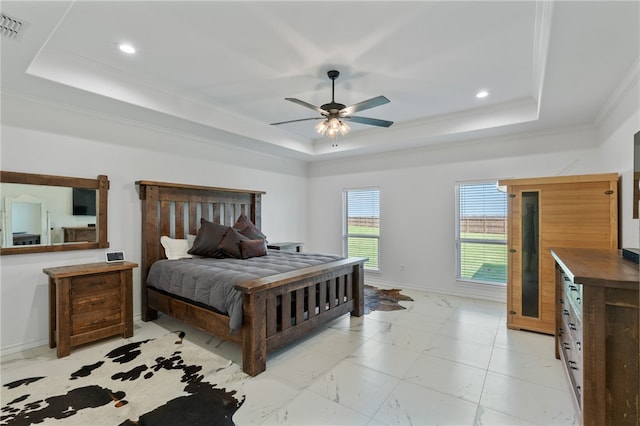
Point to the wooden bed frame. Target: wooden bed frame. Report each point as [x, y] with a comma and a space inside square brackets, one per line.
[277, 309]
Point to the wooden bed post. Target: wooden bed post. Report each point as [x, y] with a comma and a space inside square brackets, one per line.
[358, 290]
[150, 242]
[254, 333]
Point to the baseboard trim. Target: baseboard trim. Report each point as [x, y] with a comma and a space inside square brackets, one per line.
[10, 350]
[488, 293]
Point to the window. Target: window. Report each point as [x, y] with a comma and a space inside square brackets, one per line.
[481, 234]
[362, 225]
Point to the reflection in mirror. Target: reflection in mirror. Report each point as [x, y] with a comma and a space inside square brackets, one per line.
[51, 213]
[26, 221]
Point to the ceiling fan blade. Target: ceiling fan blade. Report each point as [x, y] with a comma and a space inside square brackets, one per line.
[301, 119]
[369, 121]
[306, 104]
[360, 106]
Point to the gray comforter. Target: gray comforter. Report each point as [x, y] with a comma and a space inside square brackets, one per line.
[211, 281]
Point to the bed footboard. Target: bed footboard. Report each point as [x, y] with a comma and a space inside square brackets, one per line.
[283, 308]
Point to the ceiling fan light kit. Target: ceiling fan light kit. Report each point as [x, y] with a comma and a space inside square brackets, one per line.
[332, 126]
[335, 114]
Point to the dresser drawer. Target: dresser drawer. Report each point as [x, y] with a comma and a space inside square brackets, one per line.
[570, 335]
[91, 321]
[87, 285]
[572, 294]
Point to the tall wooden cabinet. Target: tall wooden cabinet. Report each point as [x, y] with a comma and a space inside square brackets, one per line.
[561, 211]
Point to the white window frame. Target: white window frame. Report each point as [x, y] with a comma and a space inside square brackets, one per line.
[345, 229]
[459, 240]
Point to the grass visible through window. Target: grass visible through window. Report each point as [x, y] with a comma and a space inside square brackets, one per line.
[483, 261]
[363, 246]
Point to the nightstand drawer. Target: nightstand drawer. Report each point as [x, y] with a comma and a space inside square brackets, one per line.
[91, 321]
[97, 302]
[86, 285]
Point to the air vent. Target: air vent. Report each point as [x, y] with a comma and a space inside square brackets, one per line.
[10, 27]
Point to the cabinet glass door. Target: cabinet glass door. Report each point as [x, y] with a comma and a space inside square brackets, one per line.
[530, 251]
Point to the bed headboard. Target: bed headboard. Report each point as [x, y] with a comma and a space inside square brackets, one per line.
[175, 210]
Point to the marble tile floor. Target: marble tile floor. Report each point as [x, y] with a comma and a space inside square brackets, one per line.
[444, 360]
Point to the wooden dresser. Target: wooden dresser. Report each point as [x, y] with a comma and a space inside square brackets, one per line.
[89, 302]
[77, 234]
[597, 326]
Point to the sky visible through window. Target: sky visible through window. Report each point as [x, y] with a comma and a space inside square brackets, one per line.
[482, 200]
[363, 203]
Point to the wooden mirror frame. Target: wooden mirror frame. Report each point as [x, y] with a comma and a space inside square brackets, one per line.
[636, 175]
[101, 183]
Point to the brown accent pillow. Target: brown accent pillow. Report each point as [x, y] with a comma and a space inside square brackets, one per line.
[248, 229]
[253, 248]
[209, 237]
[230, 244]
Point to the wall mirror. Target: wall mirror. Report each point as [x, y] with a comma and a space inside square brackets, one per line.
[45, 213]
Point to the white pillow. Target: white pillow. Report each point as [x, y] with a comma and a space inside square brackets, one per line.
[174, 248]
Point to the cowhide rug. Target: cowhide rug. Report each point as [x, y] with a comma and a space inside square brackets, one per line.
[379, 299]
[163, 381]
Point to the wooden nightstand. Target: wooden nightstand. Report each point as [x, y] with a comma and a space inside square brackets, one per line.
[89, 302]
[297, 247]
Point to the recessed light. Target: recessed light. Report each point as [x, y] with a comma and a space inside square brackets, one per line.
[127, 48]
[482, 94]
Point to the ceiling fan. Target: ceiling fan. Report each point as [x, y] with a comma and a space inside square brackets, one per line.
[334, 114]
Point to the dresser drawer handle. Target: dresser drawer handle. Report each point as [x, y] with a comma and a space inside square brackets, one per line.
[579, 389]
[566, 278]
[572, 326]
[573, 288]
[572, 364]
[565, 312]
[97, 302]
[96, 283]
[579, 345]
[566, 345]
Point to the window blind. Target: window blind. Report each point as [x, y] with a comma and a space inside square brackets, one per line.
[481, 232]
[362, 225]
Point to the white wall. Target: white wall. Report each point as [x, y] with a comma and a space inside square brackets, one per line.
[417, 212]
[38, 138]
[417, 197]
[615, 136]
